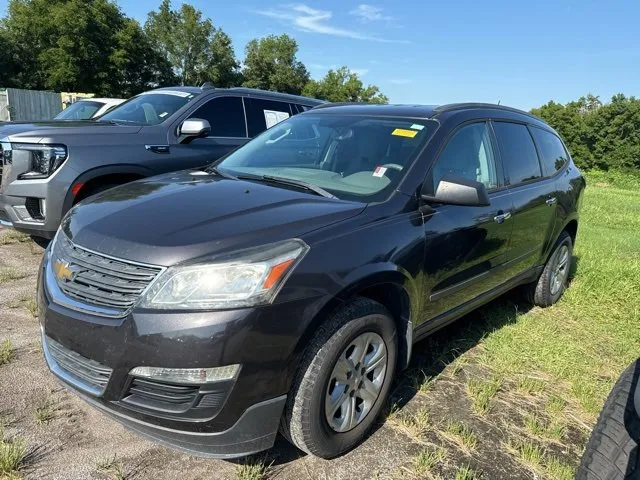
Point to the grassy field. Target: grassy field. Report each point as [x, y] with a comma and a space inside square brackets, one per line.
[541, 375]
[583, 343]
[508, 392]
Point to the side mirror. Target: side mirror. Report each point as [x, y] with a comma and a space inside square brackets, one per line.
[454, 190]
[193, 128]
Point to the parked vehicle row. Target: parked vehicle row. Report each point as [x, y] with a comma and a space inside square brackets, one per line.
[48, 167]
[88, 108]
[281, 287]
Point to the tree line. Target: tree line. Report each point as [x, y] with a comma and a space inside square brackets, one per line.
[604, 136]
[92, 46]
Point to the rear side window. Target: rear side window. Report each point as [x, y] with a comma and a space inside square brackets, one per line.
[519, 154]
[263, 114]
[552, 152]
[226, 116]
[469, 155]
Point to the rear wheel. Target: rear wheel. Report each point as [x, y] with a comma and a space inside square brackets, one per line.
[612, 451]
[555, 275]
[343, 380]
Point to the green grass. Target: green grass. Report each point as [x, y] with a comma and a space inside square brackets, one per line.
[416, 424]
[13, 454]
[583, 343]
[45, 411]
[13, 236]
[6, 351]
[466, 473]
[481, 393]
[111, 467]
[530, 386]
[252, 470]
[545, 428]
[462, 435]
[8, 274]
[426, 460]
[534, 457]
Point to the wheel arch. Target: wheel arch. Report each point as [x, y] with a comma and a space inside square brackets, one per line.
[95, 175]
[390, 287]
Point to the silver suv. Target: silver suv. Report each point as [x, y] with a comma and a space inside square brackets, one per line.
[48, 167]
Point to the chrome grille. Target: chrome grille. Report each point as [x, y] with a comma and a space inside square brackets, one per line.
[89, 374]
[99, 280]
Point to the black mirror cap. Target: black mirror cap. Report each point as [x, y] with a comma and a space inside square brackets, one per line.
[453, 190]
[193, 128]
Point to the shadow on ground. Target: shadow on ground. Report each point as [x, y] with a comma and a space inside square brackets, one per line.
[429, 358]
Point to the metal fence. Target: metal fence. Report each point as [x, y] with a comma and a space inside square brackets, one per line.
[28, 105]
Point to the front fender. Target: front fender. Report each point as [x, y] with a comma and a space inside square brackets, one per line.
[125, 169]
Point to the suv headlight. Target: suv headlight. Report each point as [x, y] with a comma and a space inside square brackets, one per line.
[243, 279]
[43, 159]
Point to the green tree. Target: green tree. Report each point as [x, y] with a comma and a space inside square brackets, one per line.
[196, 50]
[79, 45]
[64, 45]
[8, 61]
[343, 85]
[604, 136]
[136, 65]
[271, 64]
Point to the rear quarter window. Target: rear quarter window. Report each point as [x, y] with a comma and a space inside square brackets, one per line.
[553, 155]
[518, 152]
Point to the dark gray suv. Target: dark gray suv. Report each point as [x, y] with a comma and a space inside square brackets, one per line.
[48, 167]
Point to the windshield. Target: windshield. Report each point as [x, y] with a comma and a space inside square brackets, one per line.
[82, 110]
[149, 108]
[352, 157]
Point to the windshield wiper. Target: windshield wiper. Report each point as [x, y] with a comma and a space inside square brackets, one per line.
[295, 183]
[214, 169]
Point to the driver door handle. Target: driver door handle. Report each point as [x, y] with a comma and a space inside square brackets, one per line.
[502, 217]
[157, 148]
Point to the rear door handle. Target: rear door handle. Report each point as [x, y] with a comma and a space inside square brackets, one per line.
[157, 148]
[502, 217]
[551, 201]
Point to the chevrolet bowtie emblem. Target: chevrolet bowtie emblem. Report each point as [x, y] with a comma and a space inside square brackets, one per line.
[63, 271]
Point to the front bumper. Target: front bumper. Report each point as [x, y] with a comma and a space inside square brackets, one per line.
[246, 416]
[21, 203]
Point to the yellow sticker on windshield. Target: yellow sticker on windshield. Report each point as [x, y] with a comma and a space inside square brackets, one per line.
[401, 132]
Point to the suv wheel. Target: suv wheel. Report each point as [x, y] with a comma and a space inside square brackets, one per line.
[612, 451]
[343, 380]
[555, 276]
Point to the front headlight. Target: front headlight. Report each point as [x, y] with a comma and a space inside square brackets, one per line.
[243, 279]
[42, 159]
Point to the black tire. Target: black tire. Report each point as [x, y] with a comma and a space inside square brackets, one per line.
[304, 422]
[612, 451]
[540, 293]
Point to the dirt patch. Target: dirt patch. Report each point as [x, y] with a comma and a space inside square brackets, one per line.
[73, 441]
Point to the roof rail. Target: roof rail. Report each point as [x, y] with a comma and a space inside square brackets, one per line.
[339, 104]
[461, 106]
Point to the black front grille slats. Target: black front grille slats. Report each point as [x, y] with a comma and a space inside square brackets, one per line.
[161, 396]
[100, 280]
[85, 371]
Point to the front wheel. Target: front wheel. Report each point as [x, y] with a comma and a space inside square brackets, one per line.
[555, 275]
[343, 380]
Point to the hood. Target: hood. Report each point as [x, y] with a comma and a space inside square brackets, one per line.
[18, 131]
[180, 216]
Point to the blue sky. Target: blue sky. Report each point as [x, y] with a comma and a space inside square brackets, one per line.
[425, 51]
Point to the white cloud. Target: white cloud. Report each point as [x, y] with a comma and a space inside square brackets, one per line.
[369, 13]
[401, 81]
[308, 19]
[361, 72]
